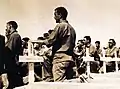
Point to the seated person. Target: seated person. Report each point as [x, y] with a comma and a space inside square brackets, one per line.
[111, 51]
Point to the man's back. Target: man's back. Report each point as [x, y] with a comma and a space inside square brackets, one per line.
[65, 38]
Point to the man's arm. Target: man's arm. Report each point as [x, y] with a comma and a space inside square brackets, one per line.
[92, 51]
[53, 37]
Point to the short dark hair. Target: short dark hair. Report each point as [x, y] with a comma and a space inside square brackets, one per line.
[97, 42]
[40, 38]
[114, 43]
[13, 23]
[80, 40]
[50, 31]
[88, 38]
[45, 35]
[26, 39]
[62, 11]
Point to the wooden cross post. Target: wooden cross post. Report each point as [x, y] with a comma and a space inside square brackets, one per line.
[31, 59]
[30, 64]
[88, 60]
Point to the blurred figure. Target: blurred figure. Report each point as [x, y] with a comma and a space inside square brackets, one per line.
[45, 35]
[12, 51]
[38, 66]
[90, 51]
[97, 55]
[111, 51]
[7, 34]
[25, 46]
[79, 49]
[46, 53]
[3, 76]
[50, 31]
[24, 65]
[79, 52]
[118, 55]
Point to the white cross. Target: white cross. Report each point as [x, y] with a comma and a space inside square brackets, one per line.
[31, 59]
[104, 59]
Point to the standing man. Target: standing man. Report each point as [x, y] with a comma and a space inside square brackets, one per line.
[62, 40]
[12, 51]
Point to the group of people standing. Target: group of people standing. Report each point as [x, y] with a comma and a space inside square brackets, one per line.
[62, 39]
[60, 58]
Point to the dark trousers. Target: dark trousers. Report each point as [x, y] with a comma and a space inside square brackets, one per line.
[47, 70]
[14, 76]
[14, 80]
[62, 71]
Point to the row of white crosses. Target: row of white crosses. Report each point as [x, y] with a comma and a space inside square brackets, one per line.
[88, 59]
[31, 59]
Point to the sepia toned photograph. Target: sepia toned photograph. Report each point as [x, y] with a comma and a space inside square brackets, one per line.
[59, 44]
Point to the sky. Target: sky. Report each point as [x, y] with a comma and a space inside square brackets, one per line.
[99, 19]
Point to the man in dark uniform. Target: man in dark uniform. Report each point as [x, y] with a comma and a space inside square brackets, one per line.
[62, 40]
[2, 70]
[12, 51]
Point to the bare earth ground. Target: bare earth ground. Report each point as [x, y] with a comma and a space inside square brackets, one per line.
[99, 81]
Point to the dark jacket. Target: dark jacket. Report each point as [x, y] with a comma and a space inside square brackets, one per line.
[2, 47]
[12, 50]
[62, 40]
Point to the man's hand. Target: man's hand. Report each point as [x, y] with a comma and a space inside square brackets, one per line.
[5, 81]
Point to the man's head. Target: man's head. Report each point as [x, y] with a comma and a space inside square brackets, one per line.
[97, 43]
[50, 31]
[45, 35]
[37, 45]
[60, 13]
[11, 25]
[25, 42]
[111, 43]
[26, 39]
[80, 43]
[87, 40]
[40, 38]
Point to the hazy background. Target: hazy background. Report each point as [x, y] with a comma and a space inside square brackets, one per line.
[98, 18]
